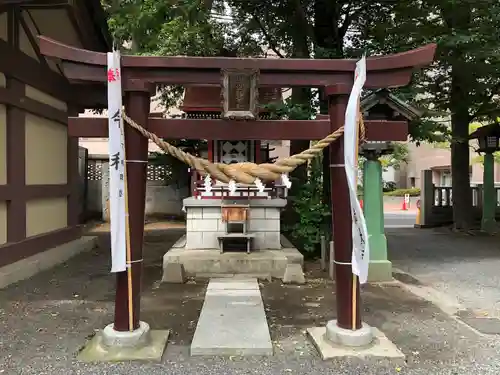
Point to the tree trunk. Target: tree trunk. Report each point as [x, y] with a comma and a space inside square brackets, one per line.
[326, 37]
[460, 159]
[300, 96]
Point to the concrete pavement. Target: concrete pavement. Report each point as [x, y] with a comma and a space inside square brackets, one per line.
[400, 219]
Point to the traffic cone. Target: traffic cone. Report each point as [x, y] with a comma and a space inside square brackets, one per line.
[404, 206]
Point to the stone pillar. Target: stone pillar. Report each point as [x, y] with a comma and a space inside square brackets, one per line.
[488, 223]
[373, 206]
[426, 198]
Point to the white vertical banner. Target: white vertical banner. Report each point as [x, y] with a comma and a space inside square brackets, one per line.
[360, 250]
[117, 194]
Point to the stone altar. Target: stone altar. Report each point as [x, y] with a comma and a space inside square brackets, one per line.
[198, 251]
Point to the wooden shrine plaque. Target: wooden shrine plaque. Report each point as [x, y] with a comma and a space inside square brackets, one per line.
[234, 214]
[240, 94]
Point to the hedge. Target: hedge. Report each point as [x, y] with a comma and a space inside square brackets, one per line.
[413, 192]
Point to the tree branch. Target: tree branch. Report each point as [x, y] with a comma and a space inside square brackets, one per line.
[268, 37]
[349, 17]
[480, 111]
[347, 22]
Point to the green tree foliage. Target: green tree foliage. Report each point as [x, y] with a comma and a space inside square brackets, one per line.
[312, 213]
[463, 84]
[459, 88]
[168, 28]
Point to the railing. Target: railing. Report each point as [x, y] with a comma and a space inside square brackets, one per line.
[436, 202]
[443, 196]
[271, 191]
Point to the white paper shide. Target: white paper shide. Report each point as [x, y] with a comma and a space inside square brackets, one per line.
[360, 250]
[116, 166]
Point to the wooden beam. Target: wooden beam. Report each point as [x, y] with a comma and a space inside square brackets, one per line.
[29, 192]
[80, 26]
[385, 71]
[12, 252]
[50, 4]
[32, 40]
[410, 59]
[16, 143]
[97, 127]
[19, 100]
[20, 66]
[81, 73]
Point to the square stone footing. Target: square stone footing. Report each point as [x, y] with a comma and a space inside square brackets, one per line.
[381, 346]
[152, 350]
[262, 264]
[379, 271]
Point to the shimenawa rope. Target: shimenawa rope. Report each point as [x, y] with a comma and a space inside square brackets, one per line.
[245, 173]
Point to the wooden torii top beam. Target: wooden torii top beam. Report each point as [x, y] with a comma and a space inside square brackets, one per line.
[89, 67]
[385, 71]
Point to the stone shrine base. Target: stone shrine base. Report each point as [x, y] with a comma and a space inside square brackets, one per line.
[262, 264]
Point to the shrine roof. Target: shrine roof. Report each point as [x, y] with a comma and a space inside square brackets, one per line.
[384, 96]
[491, 130]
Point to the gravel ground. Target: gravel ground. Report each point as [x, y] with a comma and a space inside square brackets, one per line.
[459, 265]
[46, 320]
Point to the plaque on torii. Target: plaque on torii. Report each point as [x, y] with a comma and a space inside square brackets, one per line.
[240, 94]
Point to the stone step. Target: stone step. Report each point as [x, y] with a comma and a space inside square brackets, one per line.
[232, 321]
[237, 235]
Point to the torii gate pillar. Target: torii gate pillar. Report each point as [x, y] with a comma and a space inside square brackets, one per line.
[137, 102]
[348, 313]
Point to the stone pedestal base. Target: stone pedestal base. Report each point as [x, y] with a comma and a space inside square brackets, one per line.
[489, 225]
[110, 345]
[379, 271]
[333, 342]
[127, 339]
[262, 264]
[347, 337]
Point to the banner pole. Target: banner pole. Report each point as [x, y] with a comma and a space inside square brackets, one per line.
[354, 277]
[127, 242]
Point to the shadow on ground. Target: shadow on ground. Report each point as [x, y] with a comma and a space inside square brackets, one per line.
[47, 319]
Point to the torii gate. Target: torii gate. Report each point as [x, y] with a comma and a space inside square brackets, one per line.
[140, 74]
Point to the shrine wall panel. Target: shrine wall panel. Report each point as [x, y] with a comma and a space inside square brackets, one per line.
[46, 151]
[3, 222]
[3, 26]
[3, 134]
[3, 145]
[46, 215]
[35, 94]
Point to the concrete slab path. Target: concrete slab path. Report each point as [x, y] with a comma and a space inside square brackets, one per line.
[232, 321]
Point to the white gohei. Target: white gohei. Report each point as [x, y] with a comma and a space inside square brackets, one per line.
[116, 166]
[232, 187]
[260, 186]
[361, 249]
[208, 184]
[286, 181]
